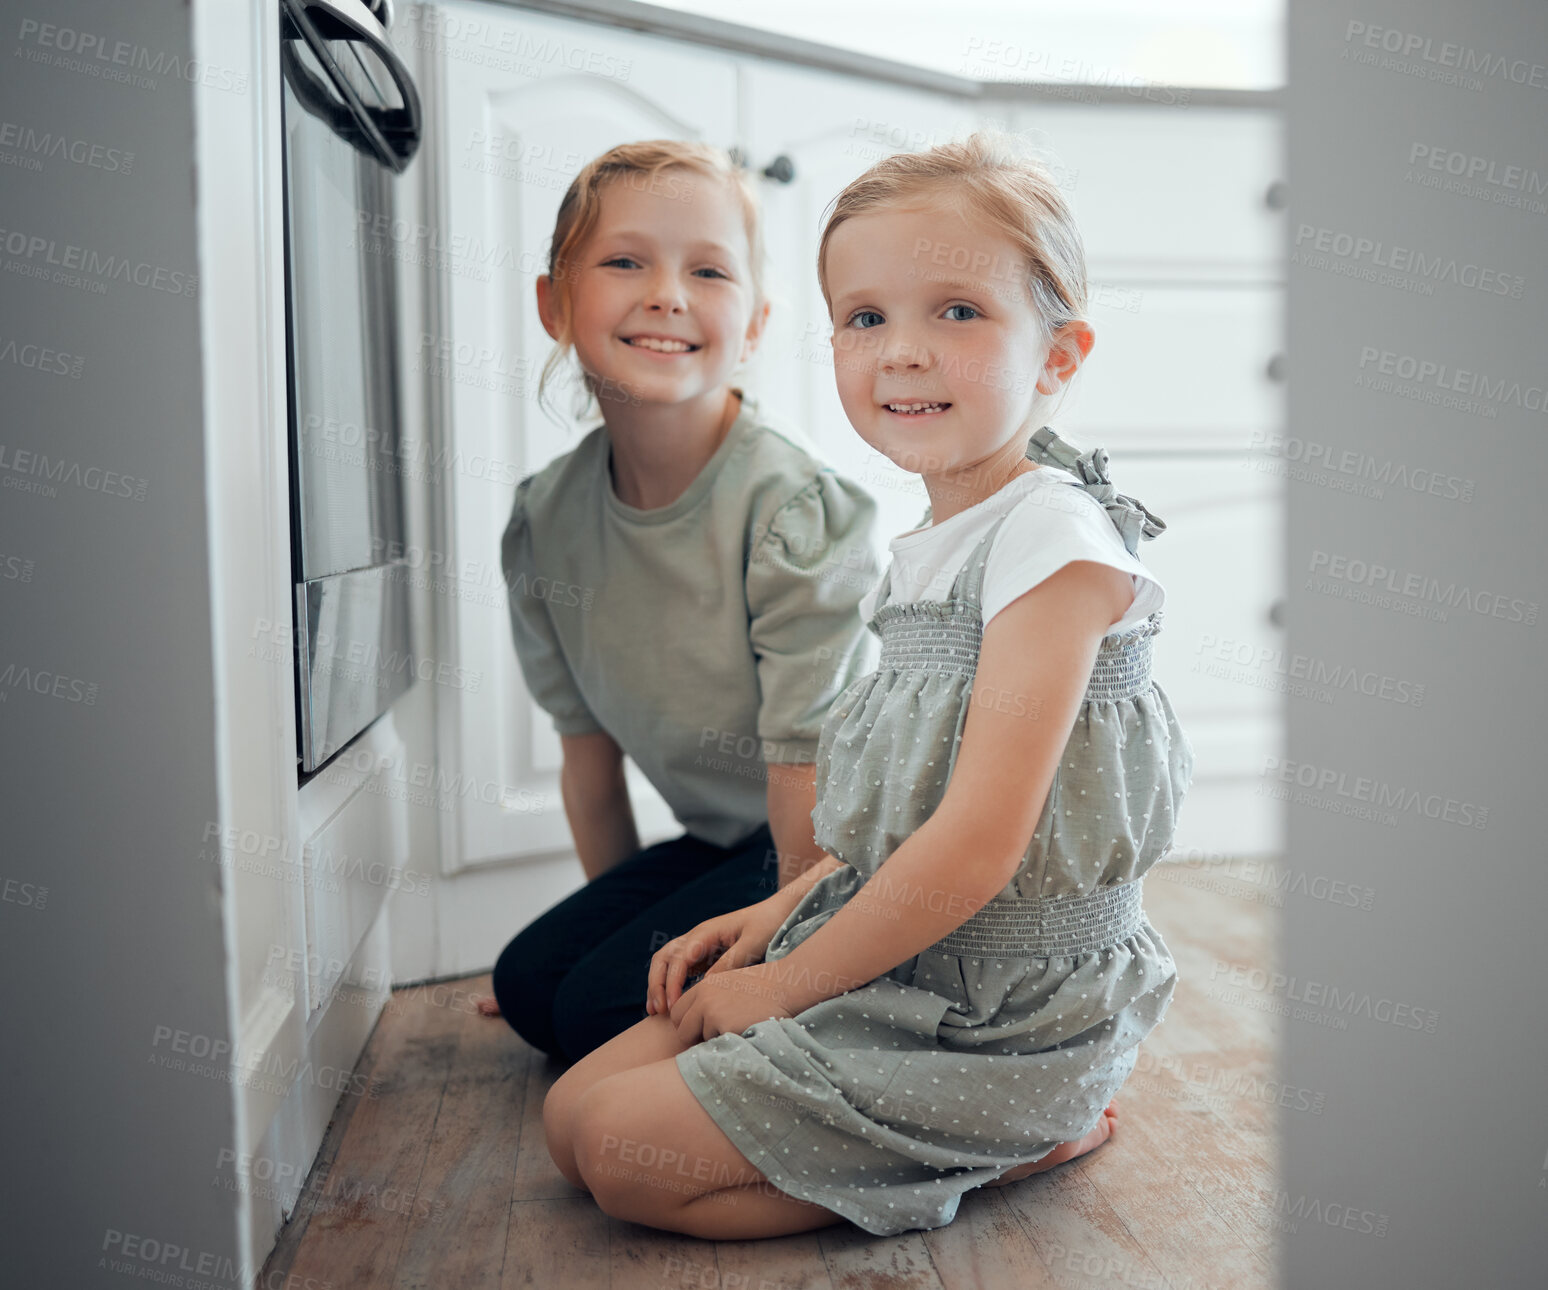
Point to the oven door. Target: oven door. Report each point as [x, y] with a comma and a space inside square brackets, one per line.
[351, 122]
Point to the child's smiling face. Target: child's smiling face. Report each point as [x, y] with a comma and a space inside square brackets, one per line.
[938, 350]
[662, 299]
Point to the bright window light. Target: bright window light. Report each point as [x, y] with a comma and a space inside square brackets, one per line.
[1224, 44]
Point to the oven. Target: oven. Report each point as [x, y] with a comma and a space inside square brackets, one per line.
[351, 124]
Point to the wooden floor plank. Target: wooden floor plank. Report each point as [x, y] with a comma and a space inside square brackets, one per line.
[1074, 1229]
[455, 1133]
[1187, 1107]
[1216, 1108]
[537, 1177]
[291, 1235]
[457, 1234]
[1223, 925]
[1220, 1171]
[858, 1260]
[652, 1259]
[558, 1243]
[351, 1224]
[782, 1263]
[379, 1158]
[1180, 1235]
[986, 1245]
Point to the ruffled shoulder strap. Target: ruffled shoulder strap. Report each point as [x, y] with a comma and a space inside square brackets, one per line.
[1134, 521]
[882, 597]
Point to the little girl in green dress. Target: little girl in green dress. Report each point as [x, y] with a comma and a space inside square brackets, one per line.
[951, 997]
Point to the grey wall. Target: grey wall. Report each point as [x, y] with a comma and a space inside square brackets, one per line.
[104, 598]
[1426, 1166]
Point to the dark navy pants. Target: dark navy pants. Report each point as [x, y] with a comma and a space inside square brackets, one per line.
[577, 976]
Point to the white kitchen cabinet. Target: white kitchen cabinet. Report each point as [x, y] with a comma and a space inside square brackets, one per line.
[830, 129]
[1179, 208]
[517, 103]
[1221, 654]
[514, 128]
[1190, 367]
[1181, 194]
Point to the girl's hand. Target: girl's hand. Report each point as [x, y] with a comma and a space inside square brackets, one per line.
[729, 1002]
[729, 941]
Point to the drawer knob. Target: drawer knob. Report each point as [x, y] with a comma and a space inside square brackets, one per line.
[781, 170]
[1276, 612]
[1277, 196]
[1275, 368]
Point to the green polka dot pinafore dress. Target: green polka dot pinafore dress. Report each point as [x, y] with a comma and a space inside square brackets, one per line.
[1011, 1034]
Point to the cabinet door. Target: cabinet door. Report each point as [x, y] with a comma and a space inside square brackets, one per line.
[524, 101]
[830, 128]
[1221, 655]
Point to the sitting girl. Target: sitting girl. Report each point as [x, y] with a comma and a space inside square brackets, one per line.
[952, 997]
[683, 588]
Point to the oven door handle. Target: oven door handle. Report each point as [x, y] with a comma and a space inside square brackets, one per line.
[390, 135]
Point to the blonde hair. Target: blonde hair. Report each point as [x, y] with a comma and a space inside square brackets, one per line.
[993, 175]
[582, 206]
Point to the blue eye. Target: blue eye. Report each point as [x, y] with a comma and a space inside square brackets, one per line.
[971, 313]
[621, 261]
[855, 319]
[716, 272]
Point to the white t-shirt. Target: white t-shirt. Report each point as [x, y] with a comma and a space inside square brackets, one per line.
[1052, 522]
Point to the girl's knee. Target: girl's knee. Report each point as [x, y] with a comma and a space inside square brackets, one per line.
[596, 1121]
[521, 953]
[606, 1153]
[562, 1098]
[557, 1110]
[629, 1176]
[561, 1118]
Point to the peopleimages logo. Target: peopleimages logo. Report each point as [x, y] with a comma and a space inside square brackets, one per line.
[41, 358]
[1304, 667]
[1442, 377]
[45, 257]
[1421, 588]
[1476, 169]
[1360, 466]
[31, 145]
[1364, 794]
[118, 60]
[1322, 994]
[1368, 253]
[1482, 179]
[511, 48]
[1288, 1215]
[1446, 58]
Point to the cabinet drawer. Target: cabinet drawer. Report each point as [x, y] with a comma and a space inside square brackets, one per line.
[1171, 193]
[1177, 367]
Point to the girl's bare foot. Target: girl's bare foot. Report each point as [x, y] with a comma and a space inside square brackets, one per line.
[488, 1006]
[1065, 1150]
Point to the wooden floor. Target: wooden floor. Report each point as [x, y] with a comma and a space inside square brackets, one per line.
[441, 1178]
